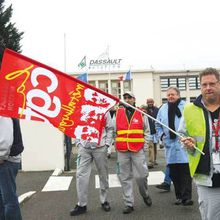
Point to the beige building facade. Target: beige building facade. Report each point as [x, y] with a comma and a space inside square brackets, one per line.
[148, 83]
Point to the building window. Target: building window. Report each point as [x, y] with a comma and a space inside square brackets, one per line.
[173, 82]
[194, 83]
[181, 83]
[177, 82]
[127, 86]
[116, 89]
[164, 84]
[103, 85]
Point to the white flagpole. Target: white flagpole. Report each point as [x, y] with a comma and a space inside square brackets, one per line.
[109, 75]
[131, 81]
[64, 47]
[149, 116]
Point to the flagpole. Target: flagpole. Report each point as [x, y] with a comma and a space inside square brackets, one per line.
[122, 84]
[109, 77]
[149, 116]
[109, 80]
[67, 140]
[131, 81]
[64, 47]
[122, 87]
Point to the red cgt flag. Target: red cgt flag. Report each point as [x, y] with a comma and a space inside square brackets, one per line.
[33, 91]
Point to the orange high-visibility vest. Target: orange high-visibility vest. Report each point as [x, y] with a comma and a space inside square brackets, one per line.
[130, 136]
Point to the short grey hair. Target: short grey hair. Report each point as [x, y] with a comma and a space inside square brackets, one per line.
[174, 88]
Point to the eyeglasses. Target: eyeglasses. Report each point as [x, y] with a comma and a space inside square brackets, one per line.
[211, 84]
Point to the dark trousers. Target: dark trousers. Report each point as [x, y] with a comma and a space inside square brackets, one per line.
[180, 175]
[9, 206]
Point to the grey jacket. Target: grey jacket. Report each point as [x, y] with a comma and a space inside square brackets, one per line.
[6, 140]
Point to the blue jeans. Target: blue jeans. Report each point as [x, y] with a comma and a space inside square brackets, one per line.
[167, 175]
[9, 206]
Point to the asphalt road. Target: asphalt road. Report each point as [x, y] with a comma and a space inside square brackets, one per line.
[57, 204]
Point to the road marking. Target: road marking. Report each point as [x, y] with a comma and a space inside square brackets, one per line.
[57, 172]
[22, 198]
[57, 183]
[112, 180]
[154, 178]
[62, 183]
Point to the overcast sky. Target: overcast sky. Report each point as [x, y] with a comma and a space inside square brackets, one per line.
[163, 34]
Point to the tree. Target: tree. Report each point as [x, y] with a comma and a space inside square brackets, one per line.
[9, 35]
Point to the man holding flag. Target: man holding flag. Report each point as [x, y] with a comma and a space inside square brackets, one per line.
[87, 153]
[201, 126]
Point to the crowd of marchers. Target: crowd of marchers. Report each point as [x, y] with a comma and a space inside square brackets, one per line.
[188, 132]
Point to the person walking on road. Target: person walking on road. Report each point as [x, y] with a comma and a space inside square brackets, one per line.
[10, 159]
[132, 132]
[152, 110]
[201, 123]
[170, 114]
[87, 153]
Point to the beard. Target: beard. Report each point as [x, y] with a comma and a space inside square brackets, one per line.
[211, 98]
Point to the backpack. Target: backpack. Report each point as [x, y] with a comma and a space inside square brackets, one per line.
[17, 145]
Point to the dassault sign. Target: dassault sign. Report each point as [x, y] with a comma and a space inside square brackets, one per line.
[104, 63]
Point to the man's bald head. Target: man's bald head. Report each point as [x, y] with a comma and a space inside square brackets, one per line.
[150, 102]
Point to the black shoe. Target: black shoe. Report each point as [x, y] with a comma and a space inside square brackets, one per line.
[148, 201]
[178, 202]
[106, 206]
[187, 202]
[161, 146]
[163, 186]
[78, 210]
[128, 210]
